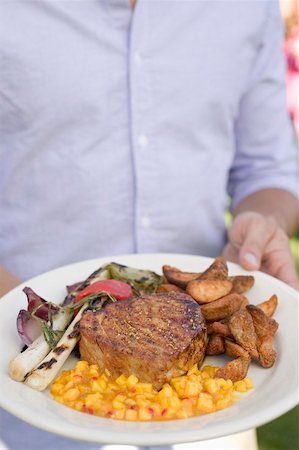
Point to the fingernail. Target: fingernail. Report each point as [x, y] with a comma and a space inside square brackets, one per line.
[251, 259]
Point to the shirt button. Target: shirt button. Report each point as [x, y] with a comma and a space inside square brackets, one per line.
[142, 140]
[145, 222]
[137, 59]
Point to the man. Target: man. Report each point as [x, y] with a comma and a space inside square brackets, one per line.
[123, 130]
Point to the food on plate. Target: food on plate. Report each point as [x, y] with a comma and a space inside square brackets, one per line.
[156, 337]
[142, 281]
[142, 339]
[220, 328]
[235, 350]
[215, 345]
[208, 290]
[177, 277]
[223, 307]
[87, 389]
[269, 306]
[242, 329]
[218, 270]
[242, 283]
[234, 370]
[265, 328]
[167, 287]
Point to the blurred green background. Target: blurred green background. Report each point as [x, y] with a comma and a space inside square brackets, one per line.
[282, 433]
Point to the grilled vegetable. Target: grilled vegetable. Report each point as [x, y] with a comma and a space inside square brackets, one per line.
[118, 289]
[29, 323]
[100, 274]
[29, 328]
[40, 347]
[45, 372]
[142, 281]
[38, 306]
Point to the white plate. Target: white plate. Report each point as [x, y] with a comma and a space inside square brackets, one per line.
[275, 391]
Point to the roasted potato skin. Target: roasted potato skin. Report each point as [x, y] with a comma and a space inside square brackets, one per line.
[269, 306]
[215, 345]
[242, 329]
[178, 277]
[167, 287]
[241, 283]
[234, 370]
[223, 307]
[208, 290]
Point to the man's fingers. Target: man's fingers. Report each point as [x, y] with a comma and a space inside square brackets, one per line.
[281, 265]
[253, 233]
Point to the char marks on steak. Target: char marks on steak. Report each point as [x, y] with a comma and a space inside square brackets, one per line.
[156, 337]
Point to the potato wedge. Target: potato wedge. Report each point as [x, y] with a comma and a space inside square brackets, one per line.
[269, 306]
[265, 328]
[224, 307]
[167, 287]
[242, 328]
[177, 277]
[218, 270]
[242, 283]
[264, 325]
[234, 370]
[219, 328]
[267, 354]
[235, 350]
[215, 345]
[208, 290]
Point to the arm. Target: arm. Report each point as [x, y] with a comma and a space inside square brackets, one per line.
[258, 236]
[279, 204]
[7, 281]
[264, 179]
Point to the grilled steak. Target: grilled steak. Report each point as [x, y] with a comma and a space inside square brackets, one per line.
[156, 337]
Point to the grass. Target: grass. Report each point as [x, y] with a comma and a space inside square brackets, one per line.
[282, 433]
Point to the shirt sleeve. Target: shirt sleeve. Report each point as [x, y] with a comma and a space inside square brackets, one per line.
[266, 153]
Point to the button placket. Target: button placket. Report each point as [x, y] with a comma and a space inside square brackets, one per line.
[140, 129]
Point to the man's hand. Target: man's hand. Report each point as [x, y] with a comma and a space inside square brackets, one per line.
[256, 242]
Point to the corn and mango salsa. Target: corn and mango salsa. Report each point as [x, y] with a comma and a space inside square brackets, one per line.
[198, 392]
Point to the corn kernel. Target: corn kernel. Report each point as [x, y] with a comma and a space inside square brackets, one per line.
[81, 366]
[121, 380]
[211, 386]
[193, 370]
[223, 384]
[70, 384]
[166, 391]
[120, 398]
[120, 414]
[132, 381]
[117, 404]
[240, 386]
[71, 394]
[174, 402]
[248, 382]
[57, 388]
[192, 389]
[130, 414]
[144, 414]
[205, 403]
[94, 370]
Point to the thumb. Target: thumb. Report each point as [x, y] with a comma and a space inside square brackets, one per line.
[253, 231]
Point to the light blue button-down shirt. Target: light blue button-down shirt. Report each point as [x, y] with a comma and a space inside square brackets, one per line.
[123, 131]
